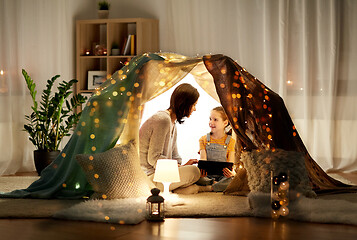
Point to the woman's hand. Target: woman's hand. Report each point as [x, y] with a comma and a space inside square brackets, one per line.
[191, 161]
[228, 173]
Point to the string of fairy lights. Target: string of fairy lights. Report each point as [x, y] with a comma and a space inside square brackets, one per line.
[279, 198]
[279, 195]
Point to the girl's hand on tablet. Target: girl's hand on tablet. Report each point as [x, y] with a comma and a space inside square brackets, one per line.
[228, 173]
[203, 173]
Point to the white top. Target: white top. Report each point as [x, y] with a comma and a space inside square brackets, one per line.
[157, 137]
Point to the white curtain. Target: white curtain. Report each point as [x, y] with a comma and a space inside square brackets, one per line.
[305, 50]
[38, 36]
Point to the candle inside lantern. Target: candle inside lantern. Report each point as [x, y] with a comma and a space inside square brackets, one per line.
[155, 209]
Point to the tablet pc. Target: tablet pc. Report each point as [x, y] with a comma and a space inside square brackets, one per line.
[213, 167]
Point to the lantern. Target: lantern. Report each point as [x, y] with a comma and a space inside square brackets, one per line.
[155, 206]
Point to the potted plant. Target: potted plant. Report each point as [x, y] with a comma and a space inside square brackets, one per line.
[115, 49]
[52, 119]
[103, 9]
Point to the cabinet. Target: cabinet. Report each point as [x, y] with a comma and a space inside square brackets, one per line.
[94, 42]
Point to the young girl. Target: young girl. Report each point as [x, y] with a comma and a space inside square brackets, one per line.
[217, 146]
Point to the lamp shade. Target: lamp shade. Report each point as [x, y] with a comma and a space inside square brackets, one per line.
[166, 171]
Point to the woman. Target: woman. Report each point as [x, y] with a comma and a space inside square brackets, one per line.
[158, 139]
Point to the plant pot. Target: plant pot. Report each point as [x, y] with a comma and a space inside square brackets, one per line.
[115, 51]
[103, 13]
[43, 159]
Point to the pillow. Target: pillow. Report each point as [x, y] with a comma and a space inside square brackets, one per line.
[116, 173]
[259, 164]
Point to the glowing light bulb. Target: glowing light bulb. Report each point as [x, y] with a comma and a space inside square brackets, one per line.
[284, 211]
[274, 214]
[284, 186]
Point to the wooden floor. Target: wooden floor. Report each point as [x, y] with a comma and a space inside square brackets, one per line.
[177, 228]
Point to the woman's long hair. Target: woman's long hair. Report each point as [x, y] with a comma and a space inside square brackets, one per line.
[182, 100]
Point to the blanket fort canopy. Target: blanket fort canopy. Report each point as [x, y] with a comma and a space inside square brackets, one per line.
[257, 114]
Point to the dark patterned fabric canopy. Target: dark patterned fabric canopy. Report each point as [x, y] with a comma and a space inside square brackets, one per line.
[260, 119]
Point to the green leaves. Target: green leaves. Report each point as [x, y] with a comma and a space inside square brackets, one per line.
[103, 5]
[48, 125]
[31, 86]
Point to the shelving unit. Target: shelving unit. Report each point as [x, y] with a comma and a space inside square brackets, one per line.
[94, 39]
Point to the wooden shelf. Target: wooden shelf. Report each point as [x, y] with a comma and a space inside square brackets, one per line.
[95, 37]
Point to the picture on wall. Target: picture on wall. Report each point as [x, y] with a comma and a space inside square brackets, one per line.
[96, 78]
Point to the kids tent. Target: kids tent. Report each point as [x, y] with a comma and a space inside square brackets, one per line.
[112, 115]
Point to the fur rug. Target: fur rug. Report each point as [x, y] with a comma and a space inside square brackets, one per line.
[337, 208]
[132, 210]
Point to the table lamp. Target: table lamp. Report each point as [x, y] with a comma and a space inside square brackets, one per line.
[166, 172]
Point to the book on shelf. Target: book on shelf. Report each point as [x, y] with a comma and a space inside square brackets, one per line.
[124, 45]
[127, 46]
[130, 46]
